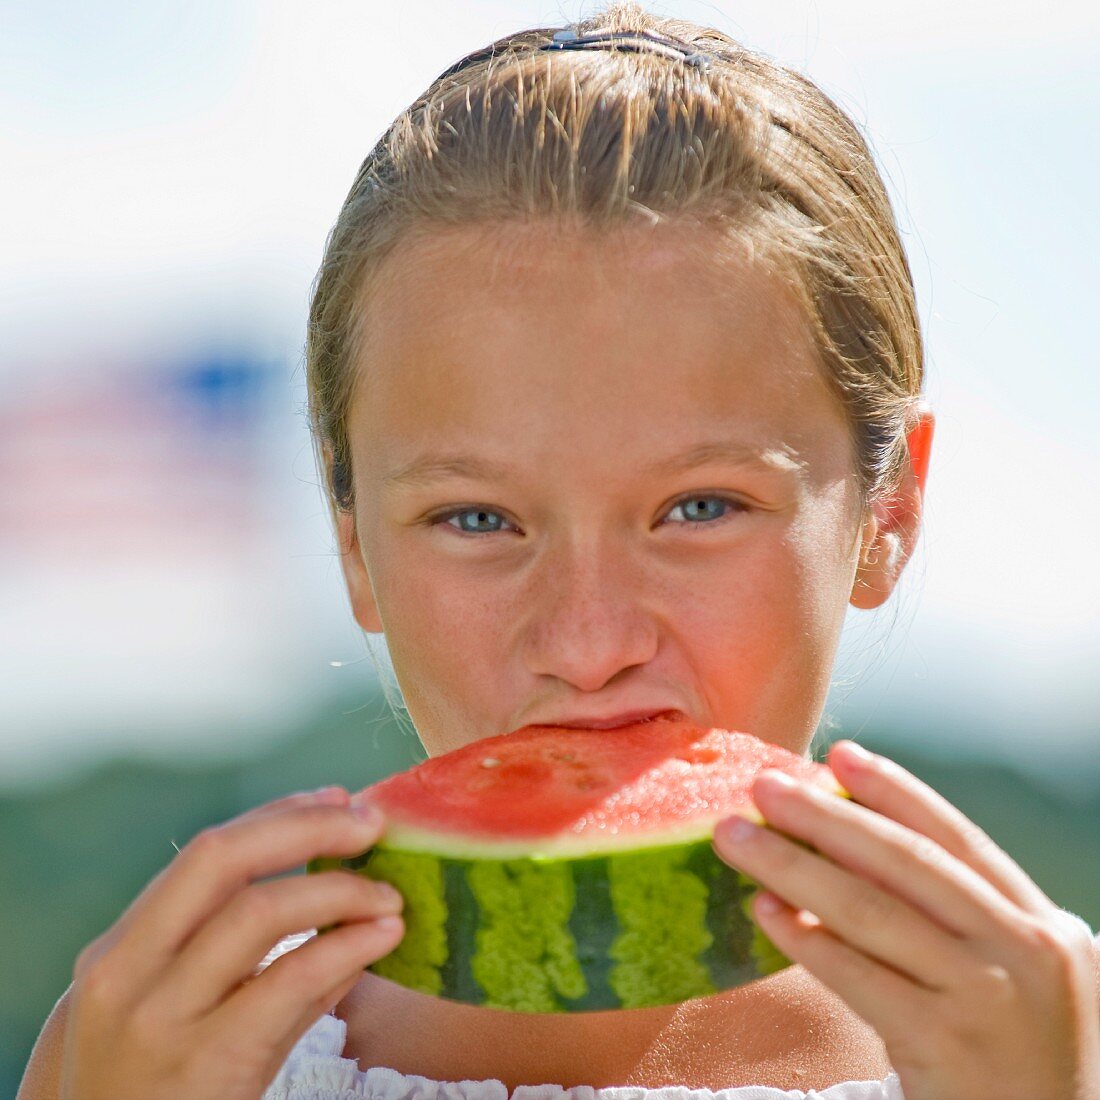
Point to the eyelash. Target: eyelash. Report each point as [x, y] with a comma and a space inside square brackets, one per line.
[734, 504]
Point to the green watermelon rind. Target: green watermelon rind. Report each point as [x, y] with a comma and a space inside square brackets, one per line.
[671, 923]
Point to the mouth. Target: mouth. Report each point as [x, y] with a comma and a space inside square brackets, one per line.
[616, 721]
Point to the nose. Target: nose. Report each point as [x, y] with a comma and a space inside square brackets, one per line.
[589, 616]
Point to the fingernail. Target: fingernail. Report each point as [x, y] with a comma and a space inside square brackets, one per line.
[362, 806]
[388, 924]
[858, 751]
[778, 779]
[737, 829]
[767, 903]
[390, 893]
[332, 794]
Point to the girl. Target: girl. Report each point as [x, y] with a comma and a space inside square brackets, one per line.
[615, 374]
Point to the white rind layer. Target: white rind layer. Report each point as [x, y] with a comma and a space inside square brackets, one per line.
[571, 844]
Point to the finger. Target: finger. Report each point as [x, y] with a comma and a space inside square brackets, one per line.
[884, 786]
[219, 862]
[886, 855]
[332, 796]
[889, 1002]
[299, 986]
[227, 949]
[323, 796]
[855, 910]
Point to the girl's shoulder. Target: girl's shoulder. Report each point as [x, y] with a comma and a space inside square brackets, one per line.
[317, 1069]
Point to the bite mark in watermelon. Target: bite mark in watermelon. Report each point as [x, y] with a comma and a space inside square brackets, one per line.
[566, 870]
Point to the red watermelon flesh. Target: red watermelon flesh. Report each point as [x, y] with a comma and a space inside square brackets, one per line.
[551, 792]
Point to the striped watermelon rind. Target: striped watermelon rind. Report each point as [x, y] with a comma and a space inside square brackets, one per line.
[606, 914]
[649, 927]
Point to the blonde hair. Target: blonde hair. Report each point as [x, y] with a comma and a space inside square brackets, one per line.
[607, 136]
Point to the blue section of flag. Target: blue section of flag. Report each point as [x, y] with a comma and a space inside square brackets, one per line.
[221, 393]
[140, 461]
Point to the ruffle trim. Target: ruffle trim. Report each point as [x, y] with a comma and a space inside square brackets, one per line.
[316, 1070]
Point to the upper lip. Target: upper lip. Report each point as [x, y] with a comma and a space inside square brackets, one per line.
[607, 721]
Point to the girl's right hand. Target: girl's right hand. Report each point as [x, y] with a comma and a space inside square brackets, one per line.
[167, 1002]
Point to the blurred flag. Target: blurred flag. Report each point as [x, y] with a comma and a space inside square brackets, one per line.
[141, 568]
[108, 466]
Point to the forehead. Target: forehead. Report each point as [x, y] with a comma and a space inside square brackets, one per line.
[439, 269]
[621, 337]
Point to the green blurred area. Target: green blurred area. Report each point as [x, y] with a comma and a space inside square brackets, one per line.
[75, 854]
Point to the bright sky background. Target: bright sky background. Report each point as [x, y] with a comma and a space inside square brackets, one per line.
[173, 169]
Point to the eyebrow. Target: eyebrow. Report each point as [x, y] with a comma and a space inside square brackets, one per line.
[430, 468]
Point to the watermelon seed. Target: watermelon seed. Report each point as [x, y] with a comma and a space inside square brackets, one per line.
[489, 762]
[700, 756]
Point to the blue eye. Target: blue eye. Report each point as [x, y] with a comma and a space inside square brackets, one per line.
[695, 508]
[698, 510]
[482, 517]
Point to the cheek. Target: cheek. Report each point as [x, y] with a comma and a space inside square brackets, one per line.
[751, 614]
[782, 602]
[442, 627]
[822, 557]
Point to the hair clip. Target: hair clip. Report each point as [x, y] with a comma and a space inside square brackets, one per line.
[638, 41]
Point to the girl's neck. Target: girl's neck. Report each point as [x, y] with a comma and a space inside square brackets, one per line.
[786, 1031]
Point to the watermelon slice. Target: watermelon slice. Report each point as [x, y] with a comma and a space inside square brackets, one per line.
[571, 870]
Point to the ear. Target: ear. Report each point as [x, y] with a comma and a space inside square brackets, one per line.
[356, 577]
[890, 532]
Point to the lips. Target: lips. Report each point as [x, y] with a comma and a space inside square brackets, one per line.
[614, 721]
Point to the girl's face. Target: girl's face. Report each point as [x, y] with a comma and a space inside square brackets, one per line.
[594, 475]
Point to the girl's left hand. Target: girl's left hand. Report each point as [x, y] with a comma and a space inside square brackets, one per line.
[977, 983]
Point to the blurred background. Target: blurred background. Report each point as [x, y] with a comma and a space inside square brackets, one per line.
[175, 636]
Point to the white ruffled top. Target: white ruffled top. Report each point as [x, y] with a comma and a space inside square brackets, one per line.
[316, 1070]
